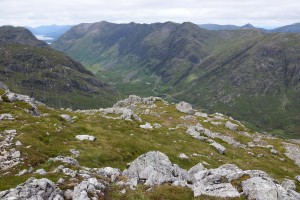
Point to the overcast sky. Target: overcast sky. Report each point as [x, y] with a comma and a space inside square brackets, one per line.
[262, 13]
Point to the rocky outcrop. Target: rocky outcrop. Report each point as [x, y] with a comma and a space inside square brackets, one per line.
[155, 168]
[221, 149]
[33, 189]
[185, 108]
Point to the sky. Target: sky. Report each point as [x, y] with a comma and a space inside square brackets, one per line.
[261, 13]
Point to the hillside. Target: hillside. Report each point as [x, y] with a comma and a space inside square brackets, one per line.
[19, 35]
[292, 28]
[48, 75]
[248, 74]
[171, 152]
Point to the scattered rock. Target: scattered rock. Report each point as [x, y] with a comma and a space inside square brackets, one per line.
[113, 173]
[18, 143]
[221, 149]
[67, 160]
[156, 125]
[91, 188]
[123, 191]
[259, 188]
[40, 171]
[231, 126]
[146, 126]
[85, 137]
[185, 108]
[75, 152]
[183, 156]
[200, 114]
[67, 118]
[34, 189]
[7, 116]
[273, 151]
[60, 181]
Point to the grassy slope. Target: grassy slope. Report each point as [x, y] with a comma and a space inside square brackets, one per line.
[119, 142]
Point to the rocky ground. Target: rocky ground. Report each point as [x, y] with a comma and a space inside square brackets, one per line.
[171, 152]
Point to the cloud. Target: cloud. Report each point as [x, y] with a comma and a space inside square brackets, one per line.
[41, 12]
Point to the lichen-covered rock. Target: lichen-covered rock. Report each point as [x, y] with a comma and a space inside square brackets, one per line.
[155, 168]
[216, 190]
[288, 184]
[260, 188]
[185, 108]
[7, 116]
[292, 152]
[113, 173]
[33, 189]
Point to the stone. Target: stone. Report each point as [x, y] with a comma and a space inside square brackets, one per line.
[216, 182]
[21, 173]
[155, 168]
[18, 143]
[200, 114]
[297, 178]
[195, 169]
[75, 152]
[67, 160]
[7, 116]
[85, 137]
[288, 184]
[156, 125]
[16, 154]
[259, 188]
[222, 190]
[60, 181]
[273, 151]
[123, 191]
[231, 126]
[183, 156]
[113, 173]
[91, 188]
[221, 149]
[292, 152]
[34, 189]
[185, 108]
[146, 126]
[40, 171]
[67, 118]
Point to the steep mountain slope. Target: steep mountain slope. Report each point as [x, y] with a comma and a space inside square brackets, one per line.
[245, 73]
[173, 152]
[48, 75]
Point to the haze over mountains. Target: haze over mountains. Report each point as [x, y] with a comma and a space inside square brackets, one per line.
[246, 73]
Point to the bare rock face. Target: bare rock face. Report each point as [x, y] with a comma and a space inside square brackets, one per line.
[155, 168]
[33, 189]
